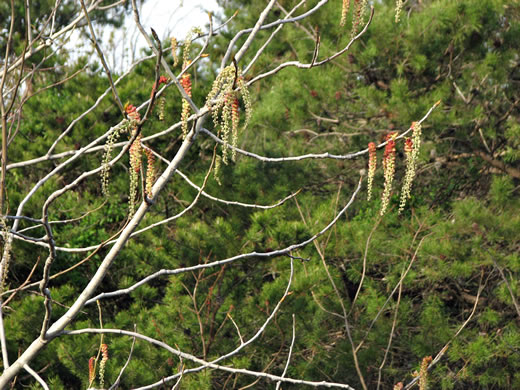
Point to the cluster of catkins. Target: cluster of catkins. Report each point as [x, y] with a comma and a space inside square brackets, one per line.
[102, 364]
[360, 8]
[411, 150]
[136, 153]
[223, 101]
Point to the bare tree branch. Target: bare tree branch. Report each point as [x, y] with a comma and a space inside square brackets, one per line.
[202, 362]
[290, 351]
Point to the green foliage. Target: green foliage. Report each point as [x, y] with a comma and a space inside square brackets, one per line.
[449, 245]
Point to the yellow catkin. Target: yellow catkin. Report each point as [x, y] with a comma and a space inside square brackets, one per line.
[235, 119]
[411, 150]
[398, 8]
[372, 164]
[423, 373]
[6, 250]
[91, 370]
[225, 126]
[344, 12]
[174, 45]
[356, 17]
[246, 98]
[102, 365]
[409, 175]
[186, 52]
[135, 167]
[223, 101]
[105, 170]
[389, 170]
[150, 172]
[162, 106]
[186, 109]
[135, 155]
[216, 170]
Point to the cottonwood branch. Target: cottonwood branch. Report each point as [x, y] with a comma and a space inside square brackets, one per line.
[275, 253]
[232, 43]
[96, 280]
[204, 363]
[325, 155]
[313, 63]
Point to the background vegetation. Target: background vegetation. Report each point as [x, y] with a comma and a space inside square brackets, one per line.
[458, 237]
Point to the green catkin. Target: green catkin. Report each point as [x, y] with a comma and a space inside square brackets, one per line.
[389, 170]
[372, 164]
[216, 170]
[174, 45]
[6, 252]
[398, 8]
[102, 365]
[162, 105]
[105, 171]
[344, 12]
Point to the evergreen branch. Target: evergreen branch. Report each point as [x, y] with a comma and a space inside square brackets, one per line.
[236, 203]
[390, 337]
[242, 345]
[445, 348]
[343, 308]
[363, 272]
[397, 286]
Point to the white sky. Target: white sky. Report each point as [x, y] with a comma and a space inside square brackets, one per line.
[175, 17]
[167, 17]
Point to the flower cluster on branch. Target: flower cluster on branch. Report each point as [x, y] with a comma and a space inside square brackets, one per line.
[224, 102]
[388, 170]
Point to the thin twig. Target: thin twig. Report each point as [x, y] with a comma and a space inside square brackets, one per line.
[102, 58]
[363, 273]
[325, 155]
[445, 348]
[35, 375]
[511, 293]
[203, 363]
[390, 337]
[118, 379]
[340, 299]
[290, 351]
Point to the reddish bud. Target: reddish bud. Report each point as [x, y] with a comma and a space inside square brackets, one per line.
[408, 145]
[186, 83]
